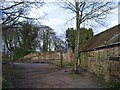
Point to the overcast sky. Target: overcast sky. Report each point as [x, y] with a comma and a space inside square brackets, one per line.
[58, 18]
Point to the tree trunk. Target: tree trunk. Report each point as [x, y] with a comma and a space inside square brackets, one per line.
[77, 37]
[45, 41]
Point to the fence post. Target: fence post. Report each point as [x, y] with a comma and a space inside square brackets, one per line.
[61, 58]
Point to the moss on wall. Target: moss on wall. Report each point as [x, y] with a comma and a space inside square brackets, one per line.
[97, 61]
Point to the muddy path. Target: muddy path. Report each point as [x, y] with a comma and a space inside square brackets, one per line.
[41, 75]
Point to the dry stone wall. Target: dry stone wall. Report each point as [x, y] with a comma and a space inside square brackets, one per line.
[68, 56]
[47, 57]
[43, 56]
[98, 62]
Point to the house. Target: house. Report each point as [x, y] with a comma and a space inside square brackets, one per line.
[101, 54]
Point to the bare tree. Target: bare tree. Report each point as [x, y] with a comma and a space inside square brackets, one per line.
[87, 11]
[13, 12]
[47, 39]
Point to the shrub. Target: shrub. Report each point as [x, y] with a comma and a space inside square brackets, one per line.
[20, 52]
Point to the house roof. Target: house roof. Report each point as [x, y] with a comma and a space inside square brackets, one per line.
[107, 37]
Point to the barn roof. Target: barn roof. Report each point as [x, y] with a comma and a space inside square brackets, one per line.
[107, 37]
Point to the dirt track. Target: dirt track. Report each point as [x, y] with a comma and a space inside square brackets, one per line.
[36, 75]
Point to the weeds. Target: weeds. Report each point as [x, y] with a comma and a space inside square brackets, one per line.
[10, 77]
[68, 63]
[73, 76]
[110, 84]
[65, 63]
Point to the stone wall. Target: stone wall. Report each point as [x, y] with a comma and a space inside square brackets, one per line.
[98, 61]
[48, 56]
[68, 56]
[43, 56]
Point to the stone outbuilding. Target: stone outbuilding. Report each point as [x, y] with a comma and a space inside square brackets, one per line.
[101, 54]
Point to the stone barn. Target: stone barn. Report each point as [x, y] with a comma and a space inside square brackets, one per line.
[101, 54]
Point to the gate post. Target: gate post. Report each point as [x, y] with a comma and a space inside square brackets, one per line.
[61, 58]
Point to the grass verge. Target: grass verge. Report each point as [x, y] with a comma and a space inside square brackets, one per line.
[73, 76]
[65, 63]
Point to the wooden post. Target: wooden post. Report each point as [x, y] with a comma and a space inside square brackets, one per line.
[61, 57]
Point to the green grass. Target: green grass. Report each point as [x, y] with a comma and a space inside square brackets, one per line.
[56, 62]
[68, 63]
[73, 76]
[65, 63]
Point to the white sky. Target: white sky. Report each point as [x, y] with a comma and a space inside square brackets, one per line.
[58, 19]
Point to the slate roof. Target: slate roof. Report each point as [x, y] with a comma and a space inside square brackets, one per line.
[107, 37]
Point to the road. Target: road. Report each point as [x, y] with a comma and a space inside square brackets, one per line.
[41, 75]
